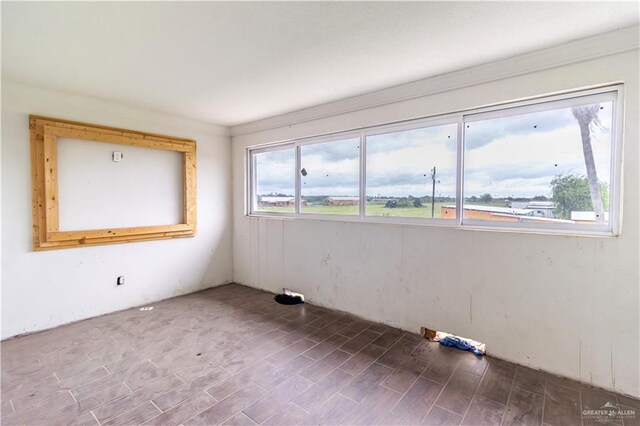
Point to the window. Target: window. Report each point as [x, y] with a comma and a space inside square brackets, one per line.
[550, 164]
[275, 181]
[412, 172]
[330, 177]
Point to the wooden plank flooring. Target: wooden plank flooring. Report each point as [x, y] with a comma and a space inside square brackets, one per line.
[232, 356]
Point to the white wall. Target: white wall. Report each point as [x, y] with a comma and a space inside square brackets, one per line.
[567, 305]
[94, 192]
[45, 289]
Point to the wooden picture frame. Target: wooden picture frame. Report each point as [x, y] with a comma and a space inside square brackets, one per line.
[44, 133]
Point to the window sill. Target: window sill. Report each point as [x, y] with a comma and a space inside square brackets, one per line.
[436, 223]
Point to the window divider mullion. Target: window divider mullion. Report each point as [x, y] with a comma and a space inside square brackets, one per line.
[460, 171]
[363, 176]
[298, 180]
[253, 195]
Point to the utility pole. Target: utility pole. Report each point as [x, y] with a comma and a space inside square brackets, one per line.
[433, 191]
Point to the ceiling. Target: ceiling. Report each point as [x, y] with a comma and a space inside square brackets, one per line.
[233, 62]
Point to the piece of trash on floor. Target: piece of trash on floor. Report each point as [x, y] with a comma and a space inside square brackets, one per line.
[453, 341]
[429, 334]
[146, 308]
[463, 344]
[288, 299]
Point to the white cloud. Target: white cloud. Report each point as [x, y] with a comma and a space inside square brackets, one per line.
[519, 165]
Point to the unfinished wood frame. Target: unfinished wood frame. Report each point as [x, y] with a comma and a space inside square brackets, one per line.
[44, 133]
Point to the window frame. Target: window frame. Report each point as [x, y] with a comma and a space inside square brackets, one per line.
[252, 176]
[610, 92]
[581, 98]
[316, 140]
[420, 123]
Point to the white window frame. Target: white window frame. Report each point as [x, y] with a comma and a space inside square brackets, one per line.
[316, 141]
[402, 127]
[252, 176]
[558, 103]
[612, 92]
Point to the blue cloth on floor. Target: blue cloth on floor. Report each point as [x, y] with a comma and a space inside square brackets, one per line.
[455, 342]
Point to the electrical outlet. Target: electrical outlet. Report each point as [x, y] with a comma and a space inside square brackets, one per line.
[120, 280]
[117, 156]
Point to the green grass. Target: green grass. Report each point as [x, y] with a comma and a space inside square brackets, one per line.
[377, 209]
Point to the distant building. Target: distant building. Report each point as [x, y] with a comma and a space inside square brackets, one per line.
[342, 201]
[518, 204]
[503, 214]
[539, 208]
[499, 214]
[586, 217]
[277, 201]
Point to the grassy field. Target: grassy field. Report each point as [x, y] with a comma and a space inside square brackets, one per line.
[375, 209]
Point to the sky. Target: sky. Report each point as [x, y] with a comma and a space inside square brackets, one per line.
[515, 156]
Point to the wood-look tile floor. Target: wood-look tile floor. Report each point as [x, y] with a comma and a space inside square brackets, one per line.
[231, 355]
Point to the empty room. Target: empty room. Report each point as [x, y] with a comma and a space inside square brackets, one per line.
[320, 213]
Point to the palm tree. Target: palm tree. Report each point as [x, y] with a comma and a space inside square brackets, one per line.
[587, 117]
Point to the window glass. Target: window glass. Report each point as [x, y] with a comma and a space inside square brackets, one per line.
[275, 181]
[412, 173]
[330, 177]
[548, 167]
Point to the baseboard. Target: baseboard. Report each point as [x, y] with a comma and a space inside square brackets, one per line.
[29, 333]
